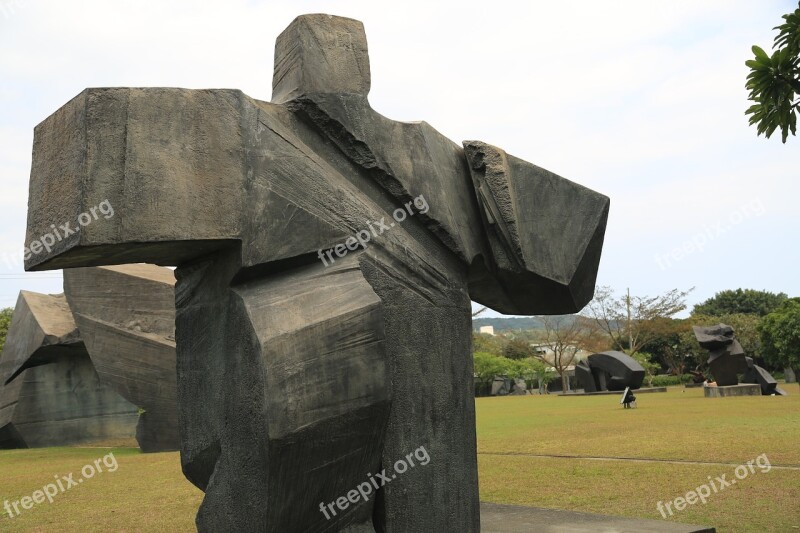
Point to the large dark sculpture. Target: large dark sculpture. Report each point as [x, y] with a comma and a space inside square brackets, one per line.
[326, 260]
[109, 338]
[612, 371]
[126, 316]
[726, 357]
[727, 360]
[50, 394]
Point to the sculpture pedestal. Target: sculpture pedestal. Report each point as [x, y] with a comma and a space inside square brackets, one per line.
[743, 389]
[499, 518]
[581, 392]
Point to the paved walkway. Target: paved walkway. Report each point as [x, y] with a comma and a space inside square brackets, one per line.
[631, 459]
[496, 518]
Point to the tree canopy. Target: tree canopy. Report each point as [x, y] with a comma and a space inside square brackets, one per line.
[631, 321]
[740, 301]
[780, 335]
[5, 323]
[774, 81]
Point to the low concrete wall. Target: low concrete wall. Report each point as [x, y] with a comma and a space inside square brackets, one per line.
[743, 389]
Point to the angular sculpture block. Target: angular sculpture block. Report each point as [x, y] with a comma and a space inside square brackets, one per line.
[756, 374]
[111, 339]
[50, 394]
[326, 258]
[126, 316]
[612, 371]
[726, 356]
[727, 360]
[510, 191]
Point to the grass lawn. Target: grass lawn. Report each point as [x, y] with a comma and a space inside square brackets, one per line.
[677, 425]
[147, 492]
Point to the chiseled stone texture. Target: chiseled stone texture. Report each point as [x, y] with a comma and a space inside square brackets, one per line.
[50, 394]
[126, 316]
[297, 379]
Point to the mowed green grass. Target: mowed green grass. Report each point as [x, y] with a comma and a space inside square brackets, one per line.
[147, 492]
[679, 425]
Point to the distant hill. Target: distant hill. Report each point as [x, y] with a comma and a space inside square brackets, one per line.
[508, 324]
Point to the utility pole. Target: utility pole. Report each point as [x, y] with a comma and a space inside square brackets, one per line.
[630, 331]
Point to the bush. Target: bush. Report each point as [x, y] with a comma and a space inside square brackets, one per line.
[667, 381]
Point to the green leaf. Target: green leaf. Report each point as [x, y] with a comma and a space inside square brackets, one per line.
[760, 54]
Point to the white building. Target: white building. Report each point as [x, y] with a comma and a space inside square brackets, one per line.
[487, 329]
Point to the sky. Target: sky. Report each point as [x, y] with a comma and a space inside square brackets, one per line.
[642, 101]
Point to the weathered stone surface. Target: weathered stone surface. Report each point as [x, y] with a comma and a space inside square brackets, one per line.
[744, 389]
[727, 360]
[50, 394]
[584, 376]
[501, 386]
[245, 197]
[756, 374]
[726, 357]
[611, 371]
[515, 196]
[519, 387]
[126, 316]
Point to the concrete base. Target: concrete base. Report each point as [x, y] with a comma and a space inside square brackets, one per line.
[613, 392]
[743, 389]
[496, 518]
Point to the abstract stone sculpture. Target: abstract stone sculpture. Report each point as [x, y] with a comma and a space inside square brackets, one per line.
[519, 387]
[326, 259]
[756, 374]
[612, 371]
[501, 386]
[50, 394]
[117, 322]
[727, 360]
[126, 316]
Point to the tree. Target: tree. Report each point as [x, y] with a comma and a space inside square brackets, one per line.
[631, 321]
[483, 342]
[479, 311]
[673, 344]
[517, 349]
[650, 368]
[740, 301]
[563, 337]
[5, 323]
[487, 366]
[780, 335]
[536, 370]
[774, 81]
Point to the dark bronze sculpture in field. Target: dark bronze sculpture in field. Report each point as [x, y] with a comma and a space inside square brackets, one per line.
[299, 378]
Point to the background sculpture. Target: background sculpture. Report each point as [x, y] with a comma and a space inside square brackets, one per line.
[94, 364]
[126, 316]
[50, 394]
[310, 356]
[612, 371]
[727, 360]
